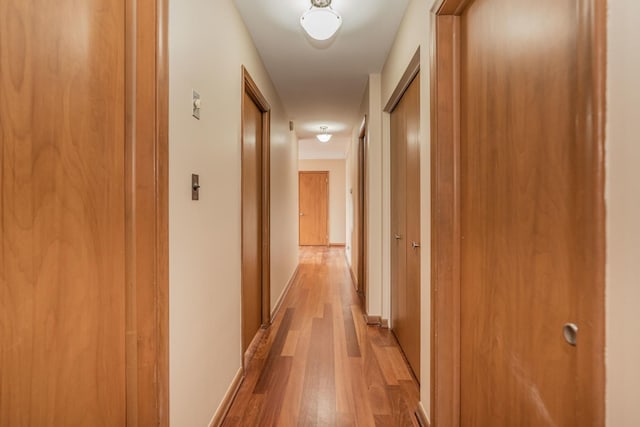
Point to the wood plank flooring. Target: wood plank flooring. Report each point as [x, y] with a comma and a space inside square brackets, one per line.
[319, 364]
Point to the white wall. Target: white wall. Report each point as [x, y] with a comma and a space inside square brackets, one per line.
[414, 34]
[623, 214]
[208, 43]
[337, 194]
[376, 210]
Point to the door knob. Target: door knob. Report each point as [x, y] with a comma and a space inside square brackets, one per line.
[415, 245]
[397, 236]
[301, 214]
[570, 332]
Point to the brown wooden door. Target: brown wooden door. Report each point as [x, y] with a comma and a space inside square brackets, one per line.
[314, 208]
[251, 220]
[405, 223]
[522, 207]
[62, 190]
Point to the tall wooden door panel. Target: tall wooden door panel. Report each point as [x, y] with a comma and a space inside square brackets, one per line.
[412, 112]
[251, 220]
[314, 208]
[405, 223]
[522, 199]
[62, 193]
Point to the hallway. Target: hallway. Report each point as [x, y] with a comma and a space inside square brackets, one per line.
[319, 364]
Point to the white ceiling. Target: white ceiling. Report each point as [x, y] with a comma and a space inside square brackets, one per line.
[322, 83]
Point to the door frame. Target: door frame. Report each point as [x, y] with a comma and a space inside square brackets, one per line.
[363, 212]
[147, 213]
[445, 208]
[250, 87]
[328, 225]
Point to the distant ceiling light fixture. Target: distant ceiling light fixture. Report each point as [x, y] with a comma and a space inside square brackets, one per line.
[321, 21]
[323, 136]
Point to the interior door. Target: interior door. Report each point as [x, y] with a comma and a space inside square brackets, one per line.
[314, 208]
[405, 224]
[62, 222]
[521, 193]
[251, 220]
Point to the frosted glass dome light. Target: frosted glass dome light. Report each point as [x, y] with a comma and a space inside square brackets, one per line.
[321, 22]
[323, 136]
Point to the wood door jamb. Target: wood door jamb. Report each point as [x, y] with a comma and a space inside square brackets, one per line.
[147, 215]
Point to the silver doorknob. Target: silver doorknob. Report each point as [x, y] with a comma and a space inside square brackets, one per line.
[570, 332]
[415, 245]
[397, 236]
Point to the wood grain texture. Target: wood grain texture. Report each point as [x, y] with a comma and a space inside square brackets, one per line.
[445, 224]
[531, 207]
[147, 214]
[251, 94]
[158, 391]
[590, 129]
[320, 364]
[251, 220]
[405, 222]
[520, 167]
[313, 190]
[62, 199]
[102, 123]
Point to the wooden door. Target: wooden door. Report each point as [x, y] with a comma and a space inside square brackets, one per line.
[530, 202]
[256, 125]
[251, 220]
[405, 223]
[73, 251]
[314, 208]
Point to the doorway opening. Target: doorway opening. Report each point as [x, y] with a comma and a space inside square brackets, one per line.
[256, 119]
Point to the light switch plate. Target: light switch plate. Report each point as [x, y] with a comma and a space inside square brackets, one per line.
[195, 104]
[195, 186]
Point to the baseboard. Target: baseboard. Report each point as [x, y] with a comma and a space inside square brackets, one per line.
[422, 417]
[354, 279]
[372, 320]
[230, 395]
[376, 321]
[284, 293]
[337, 245]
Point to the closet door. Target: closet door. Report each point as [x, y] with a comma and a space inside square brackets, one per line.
[405, 224]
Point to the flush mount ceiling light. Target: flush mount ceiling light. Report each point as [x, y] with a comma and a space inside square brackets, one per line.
[321, 21]
[323, 136]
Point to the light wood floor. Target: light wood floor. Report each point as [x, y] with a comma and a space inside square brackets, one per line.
[319, 364]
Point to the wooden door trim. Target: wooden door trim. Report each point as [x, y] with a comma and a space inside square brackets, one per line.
[445, 207]
[445, 224]
[147, 214]
[412, 70]
[250, 87]
[362, 212]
